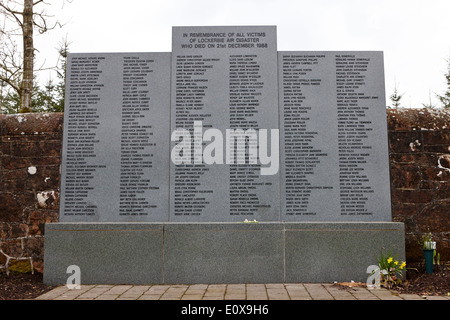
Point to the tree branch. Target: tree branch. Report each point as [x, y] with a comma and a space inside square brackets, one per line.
[10, 10]
[9, 81]
[12, 13]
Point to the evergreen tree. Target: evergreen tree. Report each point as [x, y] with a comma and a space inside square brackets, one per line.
[445, 98]
[395, 98]
[429, 104]
[49, 98]
[61, 73]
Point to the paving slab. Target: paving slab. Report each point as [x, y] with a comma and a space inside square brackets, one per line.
[340, 294]
[192, 297]
[150, 297]
[436, 298]
[318, 292]
[119, 289]
[107, 297]
[410, 296]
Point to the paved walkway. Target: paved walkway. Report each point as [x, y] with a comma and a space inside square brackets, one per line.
[302, 291]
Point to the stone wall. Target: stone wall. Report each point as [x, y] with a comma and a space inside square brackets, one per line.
[30, 150]
[419, 143]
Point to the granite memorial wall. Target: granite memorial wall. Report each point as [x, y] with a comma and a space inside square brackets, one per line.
[225, 128]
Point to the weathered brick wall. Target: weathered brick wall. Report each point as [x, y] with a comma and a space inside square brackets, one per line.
[419, 144]
[30, 149]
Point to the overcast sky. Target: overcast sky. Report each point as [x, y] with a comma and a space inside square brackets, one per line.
[414, 34]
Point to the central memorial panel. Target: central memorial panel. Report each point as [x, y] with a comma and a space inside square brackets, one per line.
[224, 119]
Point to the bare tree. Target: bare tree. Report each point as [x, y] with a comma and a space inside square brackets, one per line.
[17, 68]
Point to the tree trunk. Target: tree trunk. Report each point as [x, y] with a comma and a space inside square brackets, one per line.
[28, 57]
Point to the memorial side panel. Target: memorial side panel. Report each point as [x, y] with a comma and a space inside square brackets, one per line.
[334, 152]
[223, 80]
[115, 147]
[308, 127]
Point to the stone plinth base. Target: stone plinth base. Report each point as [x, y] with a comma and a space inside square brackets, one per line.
[186, 253]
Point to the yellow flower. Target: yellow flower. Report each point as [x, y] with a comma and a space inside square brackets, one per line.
[402, 265]
[389, 260]
[395, 263]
